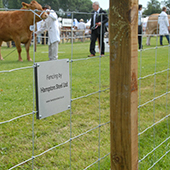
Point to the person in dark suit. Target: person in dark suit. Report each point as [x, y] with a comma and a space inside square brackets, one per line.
[98, 20]
[140, 26]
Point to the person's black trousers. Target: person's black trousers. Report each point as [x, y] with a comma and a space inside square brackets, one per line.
[161, 39]
[94, 36]
[140, 36]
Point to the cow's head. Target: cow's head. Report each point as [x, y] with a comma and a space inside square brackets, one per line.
[34, 5]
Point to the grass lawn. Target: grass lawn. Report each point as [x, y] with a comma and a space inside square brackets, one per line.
[16, 99]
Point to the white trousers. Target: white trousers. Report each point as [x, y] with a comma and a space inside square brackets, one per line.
[53, 51]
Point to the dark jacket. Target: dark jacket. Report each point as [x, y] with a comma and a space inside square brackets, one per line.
[102, 17]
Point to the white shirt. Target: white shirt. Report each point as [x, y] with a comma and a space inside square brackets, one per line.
[163, 23]
[52, 26]
[139, 17]
[94, 19]
[39, 24]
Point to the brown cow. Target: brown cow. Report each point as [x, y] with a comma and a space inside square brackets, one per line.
[15, 25]
[152, 26]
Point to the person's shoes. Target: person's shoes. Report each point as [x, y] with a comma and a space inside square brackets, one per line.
[102, 55]
[91, 55]
[162, 45]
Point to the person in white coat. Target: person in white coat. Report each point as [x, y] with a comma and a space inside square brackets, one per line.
[163, 25]
[39, 25]
[52, 26]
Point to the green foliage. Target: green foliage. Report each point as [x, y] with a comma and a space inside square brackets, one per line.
[77, 6]
[17, 4]
[1, 4]
[55, 4]
[167, 3]
[64, 5]
[153, 6]
[107, 11]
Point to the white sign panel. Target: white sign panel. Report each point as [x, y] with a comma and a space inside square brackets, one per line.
[52, 87]
[67, 22]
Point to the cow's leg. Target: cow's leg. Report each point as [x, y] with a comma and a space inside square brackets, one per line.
[18, 46]
[148, 40]
[1, 58]
[27, 47]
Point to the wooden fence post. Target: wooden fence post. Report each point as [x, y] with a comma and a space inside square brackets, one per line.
[123, 27]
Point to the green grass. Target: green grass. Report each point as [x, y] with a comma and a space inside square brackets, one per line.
[151, 87]
[16, 98]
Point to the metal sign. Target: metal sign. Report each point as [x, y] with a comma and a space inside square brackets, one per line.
[67, 22]
[69, 14]
[52, 87]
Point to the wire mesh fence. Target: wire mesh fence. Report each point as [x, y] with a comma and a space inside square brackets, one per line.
[153, 105]
[80, 137]
[75, 139]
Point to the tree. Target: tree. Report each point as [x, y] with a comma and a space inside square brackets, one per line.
[59, 5]
[70, 6]
[167, 4]
[53, 3]
[77, 6]
[1, 4]
[17, 4]
[153, 6]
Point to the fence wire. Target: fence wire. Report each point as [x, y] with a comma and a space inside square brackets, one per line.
[149, 160]
[143, 156]
[71, 138]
